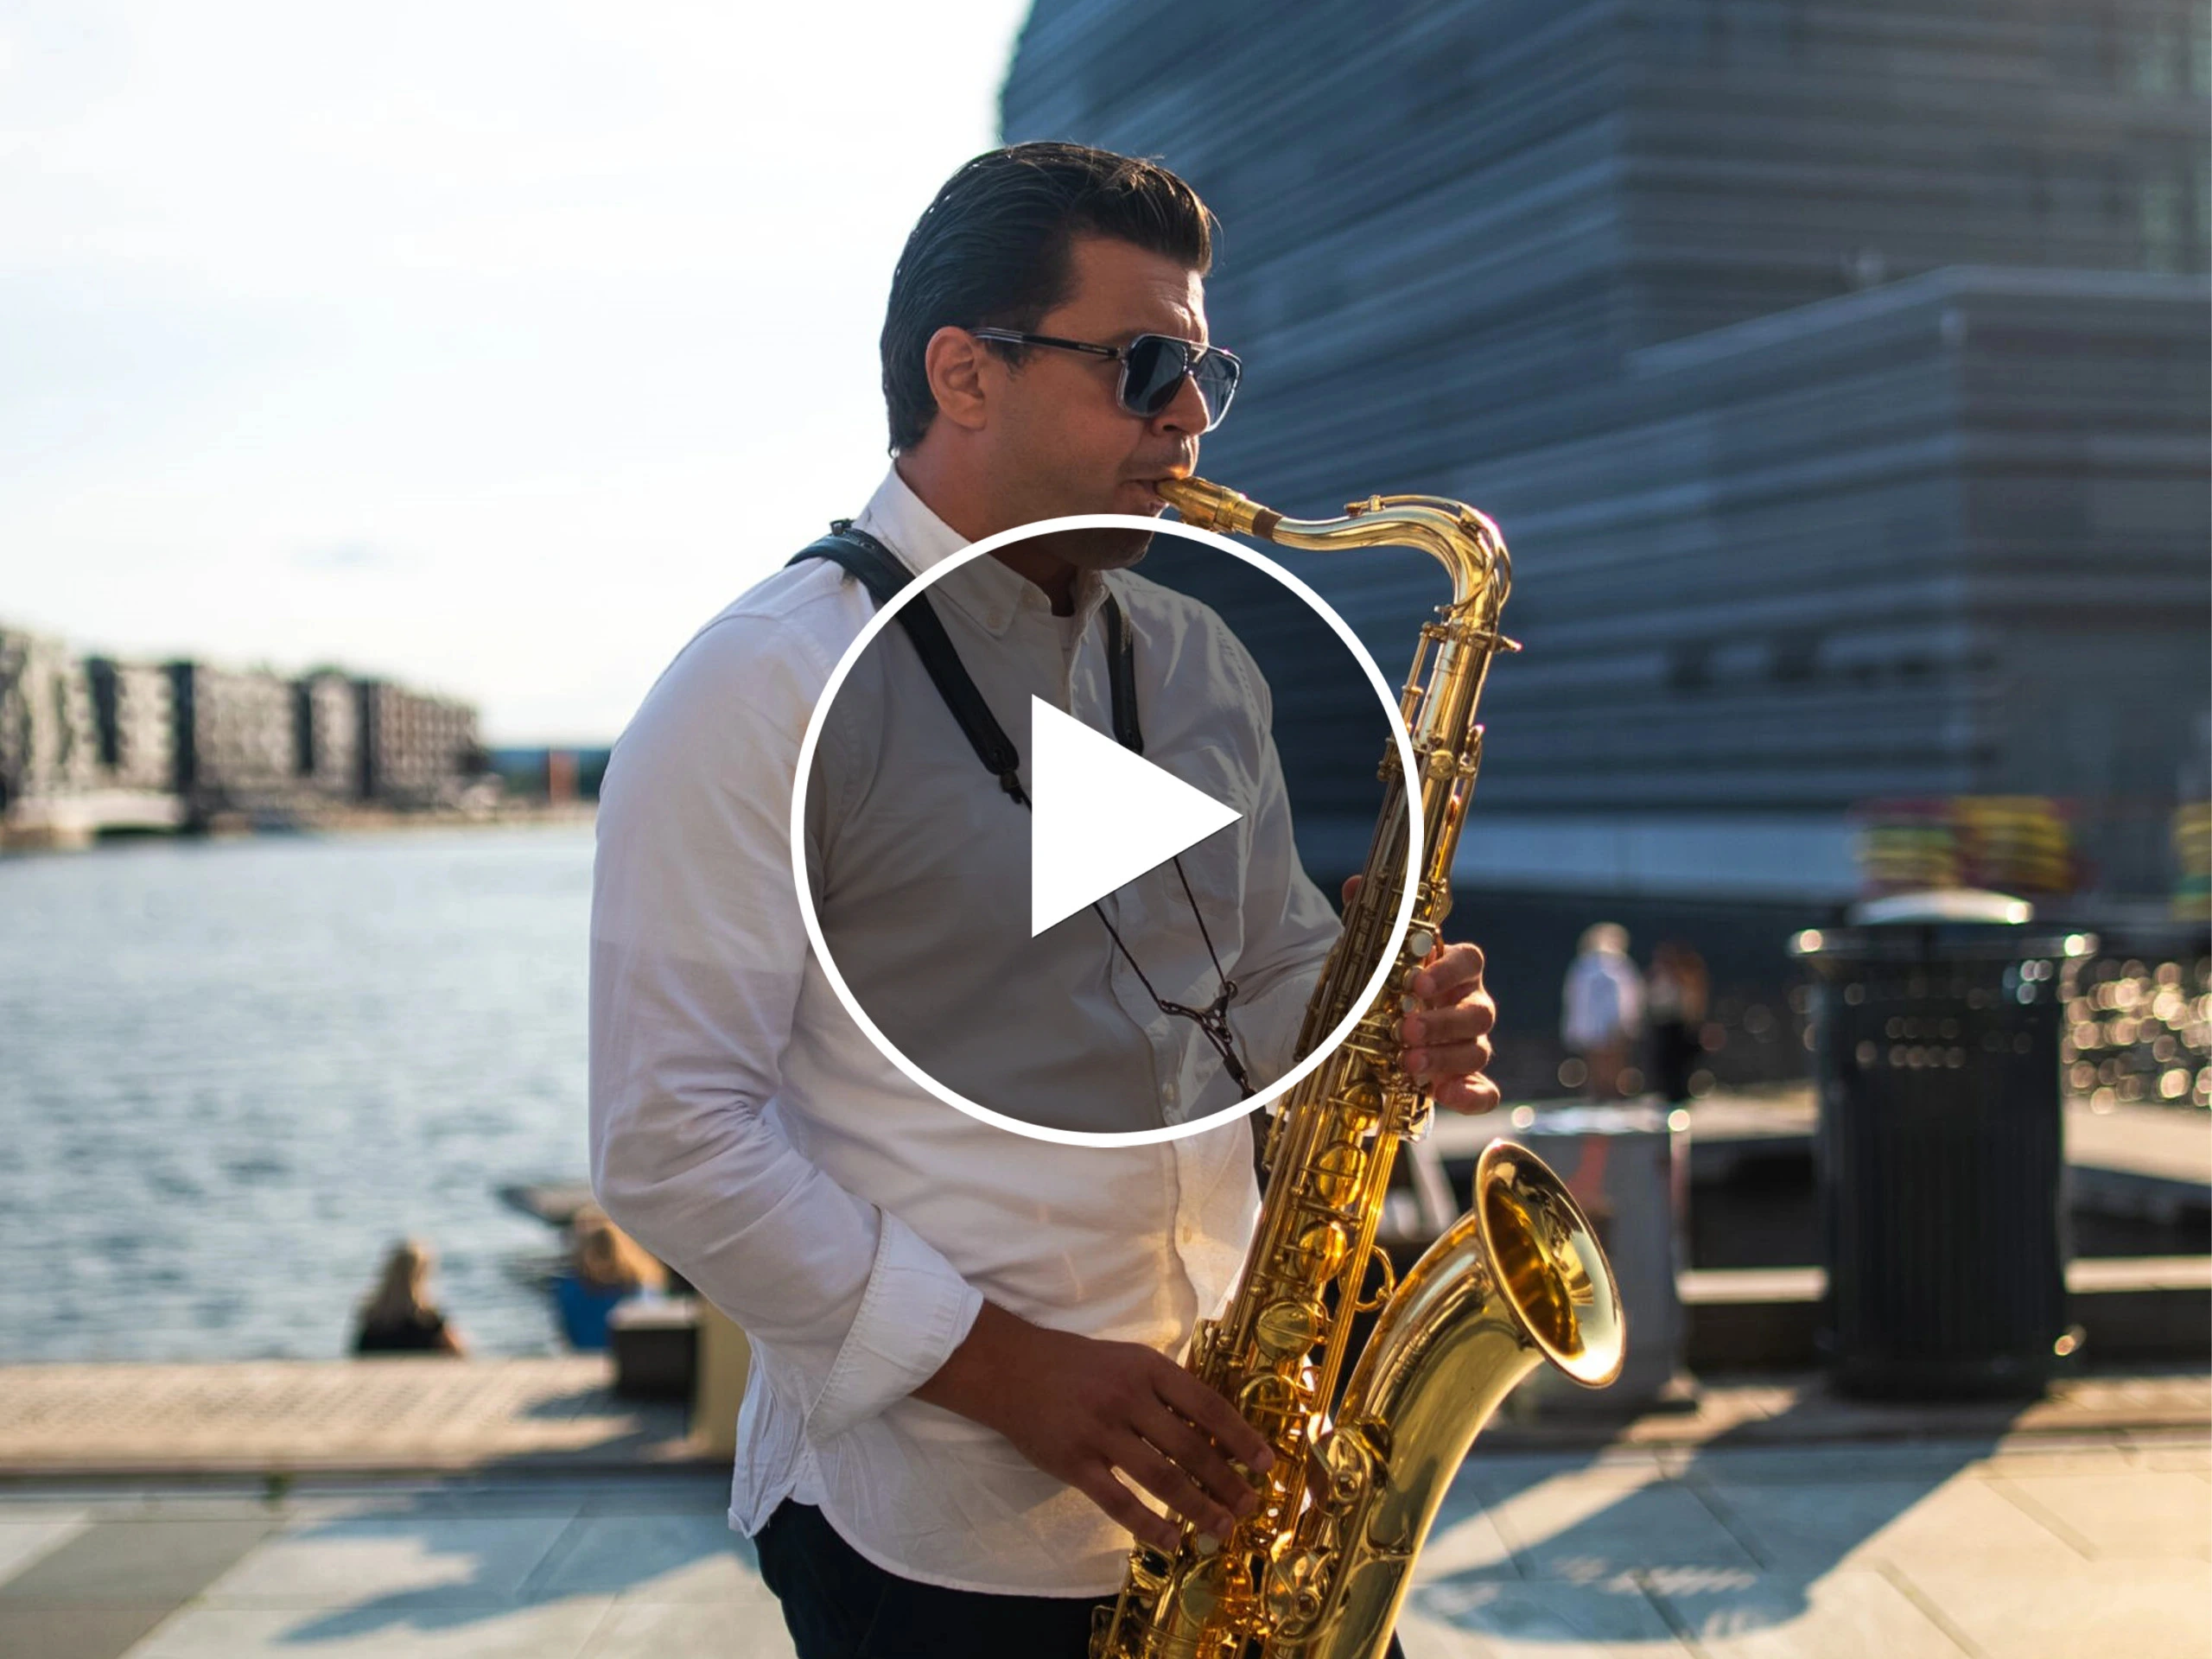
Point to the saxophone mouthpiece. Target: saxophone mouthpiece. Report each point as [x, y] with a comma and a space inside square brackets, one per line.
[1210, 506]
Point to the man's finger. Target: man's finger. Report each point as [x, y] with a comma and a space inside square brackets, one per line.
[1103, 1487]
[1468, 1096]
[1171, 1483]
[1448, 1061]
[1192, 1398]
[1201, 1461]
[1455, 965]
[1456, 1022]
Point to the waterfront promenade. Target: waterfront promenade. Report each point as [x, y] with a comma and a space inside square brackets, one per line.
[424, 1510]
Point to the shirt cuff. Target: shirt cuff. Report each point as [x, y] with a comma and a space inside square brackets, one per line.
[916, 1310]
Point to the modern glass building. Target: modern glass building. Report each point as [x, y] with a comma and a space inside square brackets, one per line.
[1838, 372]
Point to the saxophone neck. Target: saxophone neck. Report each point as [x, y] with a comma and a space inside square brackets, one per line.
[1464, 540]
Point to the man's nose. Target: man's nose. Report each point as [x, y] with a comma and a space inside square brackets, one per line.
[1185, 411]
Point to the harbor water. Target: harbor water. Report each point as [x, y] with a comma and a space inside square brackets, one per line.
[233, 1072]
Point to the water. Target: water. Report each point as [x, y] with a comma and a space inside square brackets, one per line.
[232, 1073]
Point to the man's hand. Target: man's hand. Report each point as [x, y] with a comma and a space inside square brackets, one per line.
[1447, 1037]
[1080, 1409]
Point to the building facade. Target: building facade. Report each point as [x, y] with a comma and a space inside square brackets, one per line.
[327, 738]
[236, 738]
[93, 745]
[134, 712]
[1838, 374]
[415, 750]
[48, 741]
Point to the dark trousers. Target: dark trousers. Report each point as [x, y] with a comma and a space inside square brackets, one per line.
[1675, 1052]
[839, 1604]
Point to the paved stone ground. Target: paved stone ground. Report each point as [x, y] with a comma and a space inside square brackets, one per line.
[2021, 1546]
[252, 1416]
[546, 1415]
[427, 1509]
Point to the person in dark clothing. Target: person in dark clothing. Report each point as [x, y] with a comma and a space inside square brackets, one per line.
[399, 1317]
[1675, 992]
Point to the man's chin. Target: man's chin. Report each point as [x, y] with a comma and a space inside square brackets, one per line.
[1098, 548]
[1123, 548]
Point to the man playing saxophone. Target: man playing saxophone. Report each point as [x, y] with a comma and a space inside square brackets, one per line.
[965, 1340]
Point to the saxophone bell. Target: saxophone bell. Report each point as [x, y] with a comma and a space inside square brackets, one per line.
[1518, 1281]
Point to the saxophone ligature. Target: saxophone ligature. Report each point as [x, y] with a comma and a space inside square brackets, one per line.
[1320, 1569]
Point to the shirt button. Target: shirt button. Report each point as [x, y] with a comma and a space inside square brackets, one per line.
[1167, 1093]
[1187, 1234]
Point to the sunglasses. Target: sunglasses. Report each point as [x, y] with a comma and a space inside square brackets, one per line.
[1153, 367]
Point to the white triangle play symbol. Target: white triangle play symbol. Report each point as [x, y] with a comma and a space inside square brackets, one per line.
[1100, 816]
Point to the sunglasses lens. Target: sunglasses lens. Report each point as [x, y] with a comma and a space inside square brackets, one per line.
[1217, 378]
[1156, 365]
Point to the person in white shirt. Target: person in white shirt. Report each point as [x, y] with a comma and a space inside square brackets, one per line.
[966, 1340]
[1601, 1009]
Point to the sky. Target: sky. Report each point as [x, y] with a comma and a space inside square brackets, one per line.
[493, 347]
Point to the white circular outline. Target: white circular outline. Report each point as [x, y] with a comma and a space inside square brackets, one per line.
[890, 1050]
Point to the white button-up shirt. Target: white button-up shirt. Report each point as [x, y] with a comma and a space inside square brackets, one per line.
[744, 1130]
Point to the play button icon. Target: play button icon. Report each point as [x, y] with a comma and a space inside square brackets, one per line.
[1101, 815]
[1124, 764]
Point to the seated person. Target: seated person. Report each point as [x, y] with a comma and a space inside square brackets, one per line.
[606, 1266]
[400, 1317]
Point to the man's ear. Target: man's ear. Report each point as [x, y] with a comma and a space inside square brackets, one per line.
[955, 365]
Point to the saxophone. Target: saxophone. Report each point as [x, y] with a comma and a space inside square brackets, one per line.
[1319, 1570]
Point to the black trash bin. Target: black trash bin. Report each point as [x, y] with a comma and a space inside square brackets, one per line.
[1937, 1022]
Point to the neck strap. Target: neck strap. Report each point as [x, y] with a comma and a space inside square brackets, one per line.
[879, 570]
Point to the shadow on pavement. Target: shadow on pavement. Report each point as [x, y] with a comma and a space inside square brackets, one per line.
[1728, 1536]
[450, 1557]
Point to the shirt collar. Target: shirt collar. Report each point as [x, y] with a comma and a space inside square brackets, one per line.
[896, 517]
[985, 591]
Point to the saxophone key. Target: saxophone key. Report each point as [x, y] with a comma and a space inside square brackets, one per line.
[1286, 1328]
[1319, 1251]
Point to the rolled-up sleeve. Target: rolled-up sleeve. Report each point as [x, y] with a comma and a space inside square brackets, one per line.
[698, 954]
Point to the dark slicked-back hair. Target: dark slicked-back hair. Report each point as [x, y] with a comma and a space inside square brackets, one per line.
[992, 251]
